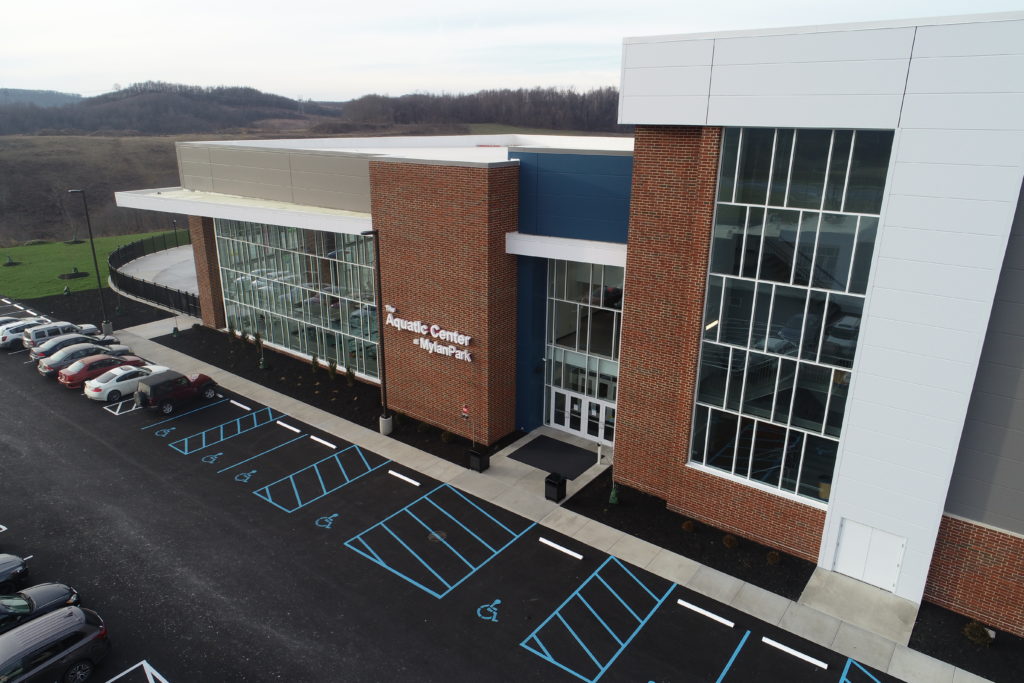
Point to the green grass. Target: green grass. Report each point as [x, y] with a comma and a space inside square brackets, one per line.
[42, 263]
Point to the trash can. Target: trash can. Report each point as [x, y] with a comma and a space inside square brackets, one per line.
[478, 462]
[554, 487]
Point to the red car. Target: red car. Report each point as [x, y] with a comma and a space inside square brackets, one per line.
[75, 375]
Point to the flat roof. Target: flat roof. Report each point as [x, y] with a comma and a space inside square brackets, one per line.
[472, 149]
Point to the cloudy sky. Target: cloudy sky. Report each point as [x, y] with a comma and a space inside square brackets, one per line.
[337, 50]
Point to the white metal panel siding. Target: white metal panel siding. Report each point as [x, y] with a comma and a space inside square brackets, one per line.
[953, 188]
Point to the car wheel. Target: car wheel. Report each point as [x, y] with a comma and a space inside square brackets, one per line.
[166, 407]
[114, 396]
[78, 672]
[209, 391]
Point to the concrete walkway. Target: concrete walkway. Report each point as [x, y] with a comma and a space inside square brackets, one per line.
[174, 268]
[839, 613]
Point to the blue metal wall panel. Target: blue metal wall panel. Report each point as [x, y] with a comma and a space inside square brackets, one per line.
[579, 196]
[530, 342]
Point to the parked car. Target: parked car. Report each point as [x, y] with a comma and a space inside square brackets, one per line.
[49, 367]
[168, 390]
[40, 334]
[29, 603]
[7, 320]
[66, 644]
[13, 572]
[57, 343]
[119, 382]
[10, 333]
[74, 375]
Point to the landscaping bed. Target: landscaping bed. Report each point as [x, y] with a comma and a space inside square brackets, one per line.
[343, 396]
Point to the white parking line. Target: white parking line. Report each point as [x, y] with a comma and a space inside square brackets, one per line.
[326, 443]
[288, 426]
[807, 658]
[240, 405]
[6, 301]
[151, 674]
[19, 307]
[28, 557]
[2, 528]
[561, 548]
[709, 615]
[403, 478]
[11, 353]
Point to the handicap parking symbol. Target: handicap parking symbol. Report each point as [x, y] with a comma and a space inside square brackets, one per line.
[212, 458]
[164, 432]
[489, 612]
[327, 521]
[245, 476]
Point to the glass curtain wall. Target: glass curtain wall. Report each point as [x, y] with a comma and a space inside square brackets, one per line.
[308, 291]
[584, 304]
[795, 226]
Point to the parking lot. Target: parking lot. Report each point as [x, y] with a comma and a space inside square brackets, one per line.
[232, 542]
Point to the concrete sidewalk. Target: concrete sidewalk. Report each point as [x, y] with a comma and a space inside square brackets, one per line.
[839, 613]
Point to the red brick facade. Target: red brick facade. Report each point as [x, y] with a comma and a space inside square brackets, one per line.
[204, 247]
[978, 572]
[443, 262]
[671, 213]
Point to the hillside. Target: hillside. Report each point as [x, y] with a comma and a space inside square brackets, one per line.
[161, 109]
[40, 98]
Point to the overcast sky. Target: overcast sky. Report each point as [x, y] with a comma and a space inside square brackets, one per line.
[338, 50]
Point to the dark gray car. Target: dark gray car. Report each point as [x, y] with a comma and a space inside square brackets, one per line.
[27, 604]
[64, 645]
[13, 572]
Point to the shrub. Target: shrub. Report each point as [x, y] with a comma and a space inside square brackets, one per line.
[422, 427]
[976, 632]
[314, 364]
[350, 377]
[257, 340]
[730, 541]
[332, 369]
[689, 526]
[773, 557]
[446, 436]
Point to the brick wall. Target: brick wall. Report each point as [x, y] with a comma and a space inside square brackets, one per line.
[204, 247]
[671, 214]
[443, 262]
[978, 572]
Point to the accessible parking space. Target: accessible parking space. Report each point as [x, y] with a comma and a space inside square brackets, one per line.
[232, 542]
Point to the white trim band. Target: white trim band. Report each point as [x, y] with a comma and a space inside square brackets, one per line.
[565, 249]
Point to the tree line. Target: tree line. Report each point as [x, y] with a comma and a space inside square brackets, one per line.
[156, 108]
[556, 108]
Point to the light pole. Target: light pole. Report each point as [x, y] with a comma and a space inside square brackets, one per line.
[107, 327]
[385, 416]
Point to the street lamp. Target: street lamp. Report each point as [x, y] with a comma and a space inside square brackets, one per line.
[385, 416]
[107, 327]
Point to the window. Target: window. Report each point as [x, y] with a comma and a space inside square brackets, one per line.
[309, 291]
[791, 249]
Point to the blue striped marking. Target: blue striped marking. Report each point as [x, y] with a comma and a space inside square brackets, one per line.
[388, 543]
[735, 653]
[285, 495]
[226, 430]
[845, 678]
[556, 624]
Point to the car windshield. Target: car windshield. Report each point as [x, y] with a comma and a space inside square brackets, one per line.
[76, 367]
[14, 604]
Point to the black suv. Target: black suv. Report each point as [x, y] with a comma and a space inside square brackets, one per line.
[66, 645]
[167, 390]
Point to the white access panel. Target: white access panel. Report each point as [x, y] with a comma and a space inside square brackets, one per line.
[869, 555]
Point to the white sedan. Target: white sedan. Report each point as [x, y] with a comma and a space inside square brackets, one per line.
[119, 382]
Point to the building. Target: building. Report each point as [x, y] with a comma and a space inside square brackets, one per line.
[793, 302]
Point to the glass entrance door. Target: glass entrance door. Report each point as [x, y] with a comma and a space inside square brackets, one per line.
[582, 415]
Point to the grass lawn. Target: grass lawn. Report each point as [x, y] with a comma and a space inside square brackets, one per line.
[42, 263]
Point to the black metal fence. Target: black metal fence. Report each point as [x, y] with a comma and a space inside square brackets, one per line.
[175, 299]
